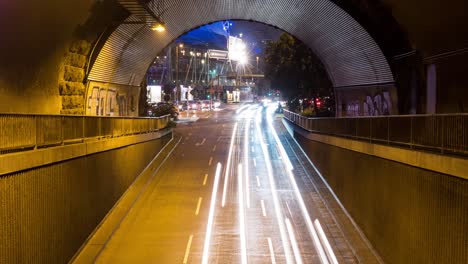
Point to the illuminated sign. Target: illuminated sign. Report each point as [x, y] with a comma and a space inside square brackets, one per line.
[218, 54]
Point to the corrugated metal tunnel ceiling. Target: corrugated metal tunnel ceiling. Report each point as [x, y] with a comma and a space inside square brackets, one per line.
[348, 52]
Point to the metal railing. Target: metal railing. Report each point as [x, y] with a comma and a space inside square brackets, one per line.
[25, 132]
[447, 133]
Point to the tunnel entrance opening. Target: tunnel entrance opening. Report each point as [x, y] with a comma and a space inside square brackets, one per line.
[234, 62]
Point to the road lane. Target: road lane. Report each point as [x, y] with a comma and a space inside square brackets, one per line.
[263, 207]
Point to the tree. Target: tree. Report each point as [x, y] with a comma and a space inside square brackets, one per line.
[295, 70]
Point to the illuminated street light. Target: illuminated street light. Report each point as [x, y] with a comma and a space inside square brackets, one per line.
[159, 27]
[181, 45]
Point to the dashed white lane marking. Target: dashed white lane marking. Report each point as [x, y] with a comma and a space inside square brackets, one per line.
[253, 150]
[198, 205]
[255, 162]
[258, 182]
[204, 180]
[272, 253]
[211, 160]
[187, 249]
[263, 208]
[214, 148]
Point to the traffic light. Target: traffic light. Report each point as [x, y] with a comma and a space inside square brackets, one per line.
[208, 96]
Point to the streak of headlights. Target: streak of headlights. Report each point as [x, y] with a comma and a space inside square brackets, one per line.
[243, 241]
[209, 226]
[278, 212]
[228, 165]
[324, 238]
[305, 213]
[292, 237]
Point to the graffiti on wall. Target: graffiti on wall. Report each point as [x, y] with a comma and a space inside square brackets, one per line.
[111, 101]
[367, 101]
[377, 105]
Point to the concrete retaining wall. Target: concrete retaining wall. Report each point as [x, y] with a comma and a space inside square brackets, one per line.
[48, 212]
[410, 215]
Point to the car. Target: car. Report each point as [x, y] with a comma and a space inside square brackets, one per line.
[161, 109]
[206, 105]
[216, 104]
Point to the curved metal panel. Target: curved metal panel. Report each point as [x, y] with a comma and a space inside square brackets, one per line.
[348, 52]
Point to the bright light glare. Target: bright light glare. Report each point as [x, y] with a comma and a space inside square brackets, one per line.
[274, 192]
[228, 165]
[292, 237]
[158, 27]
[242, 216]
[324, 239]
[209, 225]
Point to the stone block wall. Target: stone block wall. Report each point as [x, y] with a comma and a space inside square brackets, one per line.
[71, 87]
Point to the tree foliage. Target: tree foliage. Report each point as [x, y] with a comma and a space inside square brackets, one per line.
[295, 70]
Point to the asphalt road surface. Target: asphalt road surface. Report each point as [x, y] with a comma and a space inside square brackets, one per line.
[237, 189]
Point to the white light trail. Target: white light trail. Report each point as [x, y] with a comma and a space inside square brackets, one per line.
[209, 225]
[242, 108]
[243, 241]
[299, 198]
[292, 237]
[324, 239]
[272, 252]
[246, 163]
[228, 165]
[278, 213]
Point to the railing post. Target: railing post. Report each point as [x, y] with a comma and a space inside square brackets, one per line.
[388, 130]
[443, 135]
[62, 122]
[411, 133]
[36, 130]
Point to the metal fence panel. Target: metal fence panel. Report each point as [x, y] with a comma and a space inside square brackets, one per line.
[440, 133]
[24, 132]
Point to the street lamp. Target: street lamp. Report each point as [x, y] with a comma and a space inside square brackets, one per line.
[257, 63]
[159, 27]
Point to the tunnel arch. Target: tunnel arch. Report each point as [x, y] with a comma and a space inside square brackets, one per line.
[349, 53]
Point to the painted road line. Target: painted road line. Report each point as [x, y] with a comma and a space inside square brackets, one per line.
[205, 179]
[253, 150]
[211, 160]
[292, 237]
[214, 148]
[258, 181]
[263, 208]
[198, 205]
[255, 162]
[272, 252]
[187, 249]
[228, 166]
[209, 225]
